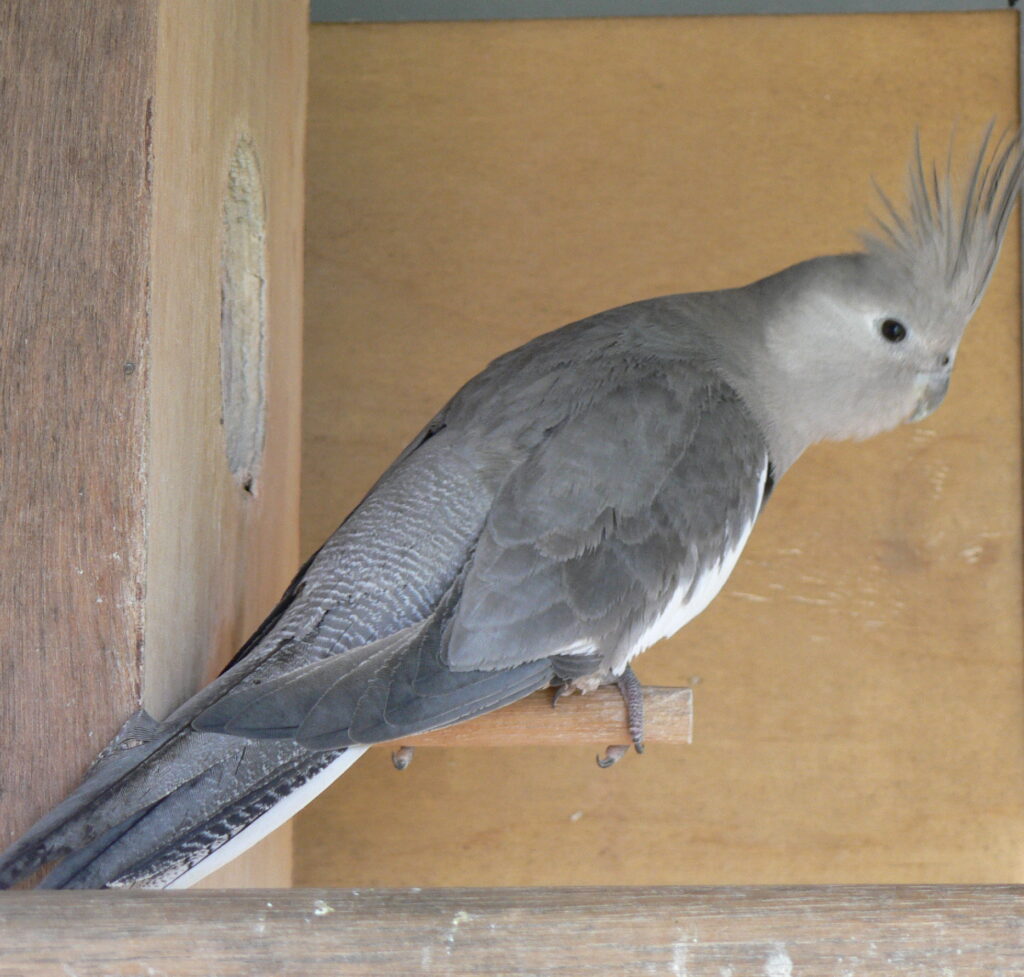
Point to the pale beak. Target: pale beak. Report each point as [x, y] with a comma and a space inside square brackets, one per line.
[933, 387]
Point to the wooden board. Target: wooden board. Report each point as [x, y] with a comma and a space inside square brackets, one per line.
[859, 712]
[598, 717]
[825, 932]
[74, 233]
[220, 555]
[134, 562]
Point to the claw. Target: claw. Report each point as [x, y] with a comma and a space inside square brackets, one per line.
[612, 756]
[402, 757]
[564, 689]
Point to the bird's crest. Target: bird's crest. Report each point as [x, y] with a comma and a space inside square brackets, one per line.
[947, 240]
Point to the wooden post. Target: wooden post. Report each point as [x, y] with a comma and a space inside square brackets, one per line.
[830, 931]
[150, 281]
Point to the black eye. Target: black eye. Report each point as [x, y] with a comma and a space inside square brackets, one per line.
[893, 330]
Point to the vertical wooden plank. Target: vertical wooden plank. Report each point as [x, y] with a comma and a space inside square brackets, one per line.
[228, 132]
[75, 98]
[153, 165]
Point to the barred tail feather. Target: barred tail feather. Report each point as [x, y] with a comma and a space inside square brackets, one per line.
[165, 848]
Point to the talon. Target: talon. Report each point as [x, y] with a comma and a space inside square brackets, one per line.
[402, 757]
[612, 756]
[561, 690]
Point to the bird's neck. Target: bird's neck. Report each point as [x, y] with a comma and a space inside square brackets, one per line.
[737, 323]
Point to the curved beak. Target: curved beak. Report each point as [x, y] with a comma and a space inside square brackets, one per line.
[932, 387]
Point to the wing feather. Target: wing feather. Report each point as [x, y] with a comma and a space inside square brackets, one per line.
[618, 510]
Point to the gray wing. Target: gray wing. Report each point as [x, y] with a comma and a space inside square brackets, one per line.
[168, 792]
[624, 506]
[585, 543]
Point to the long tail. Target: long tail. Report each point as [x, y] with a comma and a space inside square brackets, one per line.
[178, 841]
[214, 801]
[166, 803]
[163, 808]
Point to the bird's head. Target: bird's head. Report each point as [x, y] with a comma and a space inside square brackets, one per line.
[865, 341]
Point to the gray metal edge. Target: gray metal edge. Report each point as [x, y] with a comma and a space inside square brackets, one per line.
[388, 11]
[1020, 203]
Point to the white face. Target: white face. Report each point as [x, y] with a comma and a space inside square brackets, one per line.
[904, 347]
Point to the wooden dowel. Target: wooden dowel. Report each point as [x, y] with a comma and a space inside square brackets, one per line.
[827, 931]
[598, 718]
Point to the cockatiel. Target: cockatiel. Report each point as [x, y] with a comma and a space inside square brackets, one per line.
[584, 496]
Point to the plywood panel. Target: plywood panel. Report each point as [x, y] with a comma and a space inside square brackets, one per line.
[221, 551]
[74, 227]
[859, 713]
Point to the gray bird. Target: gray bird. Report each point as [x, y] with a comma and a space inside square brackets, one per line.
[584, 496]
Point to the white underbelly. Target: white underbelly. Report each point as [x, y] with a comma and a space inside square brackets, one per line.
[690, 599]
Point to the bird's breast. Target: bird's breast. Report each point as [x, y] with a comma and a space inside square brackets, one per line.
[693, 593]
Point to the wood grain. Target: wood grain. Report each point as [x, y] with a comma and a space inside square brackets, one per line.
[219, 556]
[130, 556]
[74, 239]
[860, 715]
[594, 719]
[913, 931]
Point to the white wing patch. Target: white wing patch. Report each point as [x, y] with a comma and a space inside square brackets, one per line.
[685, 604]
[585, 646]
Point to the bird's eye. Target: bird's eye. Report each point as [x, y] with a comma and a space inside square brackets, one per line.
[893, 330]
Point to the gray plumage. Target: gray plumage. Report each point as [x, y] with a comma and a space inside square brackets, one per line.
[583, 496]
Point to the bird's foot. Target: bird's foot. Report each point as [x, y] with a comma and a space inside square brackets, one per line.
[632, 693]
[566, 688]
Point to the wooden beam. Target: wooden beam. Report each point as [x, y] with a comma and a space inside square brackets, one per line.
[913, 931]
[598, 718]
[74, 264]
[150, 246]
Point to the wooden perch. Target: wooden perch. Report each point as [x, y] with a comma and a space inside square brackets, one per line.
[598, 718]
[808, 931]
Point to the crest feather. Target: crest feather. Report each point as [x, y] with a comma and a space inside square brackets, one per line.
[947, 240]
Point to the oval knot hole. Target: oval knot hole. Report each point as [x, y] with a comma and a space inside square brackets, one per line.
[243, 316]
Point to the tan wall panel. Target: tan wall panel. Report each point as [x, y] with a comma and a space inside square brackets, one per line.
[219, 556]
[859, 712]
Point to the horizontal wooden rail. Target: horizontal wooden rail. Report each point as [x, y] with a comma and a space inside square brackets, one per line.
[831, 931]
[596, 718]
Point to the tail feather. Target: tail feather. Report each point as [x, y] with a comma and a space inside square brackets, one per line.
[209, 847]
[166, 803]
[79, 860]
[72, 824]
[129, 779]
[200, 827]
